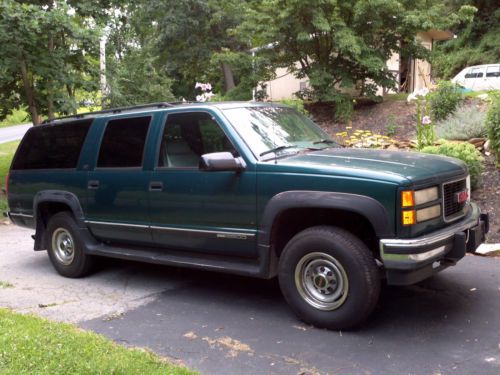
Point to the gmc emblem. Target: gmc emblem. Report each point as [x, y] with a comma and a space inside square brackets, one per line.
[461, 196]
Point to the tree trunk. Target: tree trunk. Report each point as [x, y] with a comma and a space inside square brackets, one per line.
[50, 102]
[228, 76]
[30, 95]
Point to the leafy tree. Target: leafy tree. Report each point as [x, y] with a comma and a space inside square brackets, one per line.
[135, 79]
[340, 44]
[477, 42]
[197, 40]
[48, 52]
[135, 73]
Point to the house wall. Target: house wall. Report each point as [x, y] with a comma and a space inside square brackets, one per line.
[286, 84]
[422, 73]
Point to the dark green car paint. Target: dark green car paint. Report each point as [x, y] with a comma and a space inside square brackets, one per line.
[222, 212]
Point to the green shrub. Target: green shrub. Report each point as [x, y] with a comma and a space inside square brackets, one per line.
[240, 92]
[391, 127]
[445, 100]
[465, 152]
[466, 123]
[493, 126]
[297, 104]
[18, 116]
[344, 108]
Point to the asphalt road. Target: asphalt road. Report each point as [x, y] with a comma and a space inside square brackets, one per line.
[222, 324]
[13, 133]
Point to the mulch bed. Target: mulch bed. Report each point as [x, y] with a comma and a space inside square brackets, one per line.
[378, 117]
[488, 197]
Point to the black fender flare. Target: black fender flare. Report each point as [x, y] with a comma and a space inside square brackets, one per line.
[54, 196]
[368, 207]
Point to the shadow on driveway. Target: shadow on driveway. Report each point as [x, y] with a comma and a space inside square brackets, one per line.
[224, 324]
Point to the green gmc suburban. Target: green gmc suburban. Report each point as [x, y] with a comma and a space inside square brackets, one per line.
[245, 188]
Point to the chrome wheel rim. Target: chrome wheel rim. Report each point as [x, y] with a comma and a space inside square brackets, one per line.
[321, 281]
[63, 246]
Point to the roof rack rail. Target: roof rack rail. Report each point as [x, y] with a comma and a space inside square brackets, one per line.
[116, 110]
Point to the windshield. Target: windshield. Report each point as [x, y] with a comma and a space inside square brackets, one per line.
[275, 131]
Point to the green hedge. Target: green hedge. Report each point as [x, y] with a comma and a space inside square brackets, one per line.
[465, 152]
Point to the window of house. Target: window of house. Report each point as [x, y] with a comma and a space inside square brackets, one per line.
[123, 142]
[52, 146]
[187, 136]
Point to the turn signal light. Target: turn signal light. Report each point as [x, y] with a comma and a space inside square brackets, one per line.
[409, 217]
[407, 198]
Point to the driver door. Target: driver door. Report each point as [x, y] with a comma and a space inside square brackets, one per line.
[190, 209]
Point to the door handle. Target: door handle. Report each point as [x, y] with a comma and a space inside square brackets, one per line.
[93, 184]
[155, 186]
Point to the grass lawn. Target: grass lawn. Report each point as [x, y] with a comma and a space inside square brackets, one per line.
[400, 96]
[7, 151]
[475, 94]
[19, 116]
[31, 345]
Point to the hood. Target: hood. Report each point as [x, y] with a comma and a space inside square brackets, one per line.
[392, 165]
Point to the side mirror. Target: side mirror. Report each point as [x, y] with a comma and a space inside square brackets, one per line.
[221, 161]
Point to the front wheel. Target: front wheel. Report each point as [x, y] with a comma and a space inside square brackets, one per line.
[329, 277]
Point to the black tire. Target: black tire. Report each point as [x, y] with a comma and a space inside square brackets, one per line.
[65, 247]
[329, 278]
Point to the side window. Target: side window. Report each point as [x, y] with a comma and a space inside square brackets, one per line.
[469, 74]
[122, 145]
[52, 146]
[187, 136]
[475, 73]
[493, 71]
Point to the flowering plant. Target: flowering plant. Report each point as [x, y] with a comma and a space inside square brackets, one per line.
[426, 135]
[206, 92]
[364, 139]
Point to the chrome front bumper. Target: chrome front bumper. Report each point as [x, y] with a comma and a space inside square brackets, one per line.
[422, 256]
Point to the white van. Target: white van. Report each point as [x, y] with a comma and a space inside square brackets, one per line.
[479, 77]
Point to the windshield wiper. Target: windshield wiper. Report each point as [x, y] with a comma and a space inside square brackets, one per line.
[327, 141]
[279, 148]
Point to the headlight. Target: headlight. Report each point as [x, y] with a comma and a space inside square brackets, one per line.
[410, 200]
[428, 213]
[426, 195]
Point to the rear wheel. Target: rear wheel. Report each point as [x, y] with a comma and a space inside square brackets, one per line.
[65, 247]
[329, 277]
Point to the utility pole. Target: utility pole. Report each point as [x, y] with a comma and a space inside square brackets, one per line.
[102, 66]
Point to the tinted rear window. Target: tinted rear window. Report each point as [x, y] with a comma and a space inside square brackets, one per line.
[123, 143]
[52, 146]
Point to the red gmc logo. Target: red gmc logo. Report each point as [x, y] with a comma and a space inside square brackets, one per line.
[461, 196]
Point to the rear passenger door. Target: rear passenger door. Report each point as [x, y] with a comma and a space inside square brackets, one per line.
[191, 209]
[474, 79]
[117, 184]
[492, 81]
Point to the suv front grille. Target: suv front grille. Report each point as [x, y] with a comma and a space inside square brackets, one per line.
[452, 208]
